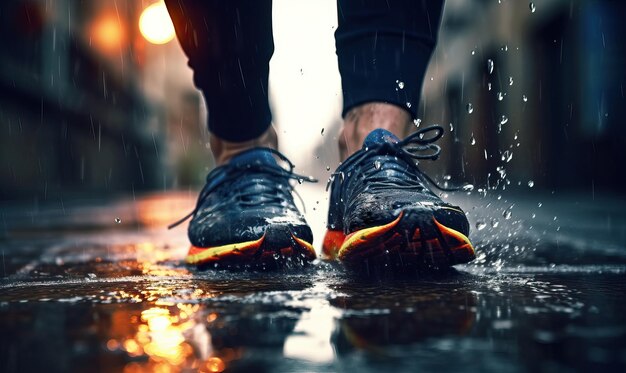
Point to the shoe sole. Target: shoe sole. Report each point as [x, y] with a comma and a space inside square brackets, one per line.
[277, 247]
[408, 241]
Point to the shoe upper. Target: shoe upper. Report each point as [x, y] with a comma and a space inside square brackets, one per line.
[243, 198]
[374, 185]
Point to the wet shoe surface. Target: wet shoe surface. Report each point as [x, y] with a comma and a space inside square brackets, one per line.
[246, 215]
[383, 213]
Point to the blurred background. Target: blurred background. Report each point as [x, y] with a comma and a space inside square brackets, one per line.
[96, 99]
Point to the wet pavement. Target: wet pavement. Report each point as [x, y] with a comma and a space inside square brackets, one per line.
[101, 287]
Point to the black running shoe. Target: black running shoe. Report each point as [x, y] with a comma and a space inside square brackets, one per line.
[382, 212]
[246, 215]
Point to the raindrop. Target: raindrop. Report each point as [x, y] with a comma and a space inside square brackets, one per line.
[300, 181]
[494, 223]
[473, 52]
[447, 177]
[472, 140]
[470, 108]
[118, 220]
[327, 168]
[417, 122]
[377, 164]
[501, 171]
[507, 213]
[505, 48]
[490, 66]
[400, 84]
[489, 86]
[533, 216]
[408, 104]
[503, 119]
[531, 184]
[451, 127]
[468, 187]
[500, 96]
[532, 7]
[539, 204]
[507, 155]
[510, 80]
[524, 98]
[480, 225]
[322, 133]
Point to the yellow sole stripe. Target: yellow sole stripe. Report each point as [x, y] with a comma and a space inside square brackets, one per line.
[456, 234]
[220, 250]
[364, 234]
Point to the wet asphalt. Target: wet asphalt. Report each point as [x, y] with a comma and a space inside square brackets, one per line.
[101, 286]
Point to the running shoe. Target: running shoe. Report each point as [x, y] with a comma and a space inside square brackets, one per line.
[246, 216]
[382, 212]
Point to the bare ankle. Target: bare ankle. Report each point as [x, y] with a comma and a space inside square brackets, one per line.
[363, 119]
[223, 151]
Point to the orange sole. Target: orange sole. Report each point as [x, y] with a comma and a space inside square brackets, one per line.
[430, 245]
[252, 252]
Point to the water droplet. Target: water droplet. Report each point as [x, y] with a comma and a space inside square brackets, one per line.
[505, 48]
[118, 220]
[490, 66]
[400, 84]
[502, 171]
[327, 168]
[447, 177]
[417, 122]
[322, 133]
[524, 98]
[510, 80]
[532, 7]
[472, 140]
[377, 164]
[533, 216]
[480, 225]
[408, 104]
[494, 223]
[507, 213]
[531, 184]
[300, 181]
[503, 119]
[489, 86]
[507, 155]
[473, 52]
[500, 96]
[470, 108]
[451, 128]
[468, 187]
[539, 204]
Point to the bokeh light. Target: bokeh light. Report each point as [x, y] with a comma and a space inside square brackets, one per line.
[155, 24]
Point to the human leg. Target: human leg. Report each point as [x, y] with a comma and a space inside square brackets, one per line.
[383, 50]
[229, 45]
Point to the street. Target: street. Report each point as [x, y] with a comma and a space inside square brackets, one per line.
[101, 286]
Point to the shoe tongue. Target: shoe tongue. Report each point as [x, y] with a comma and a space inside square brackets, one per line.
[378, 137]
[255, 156]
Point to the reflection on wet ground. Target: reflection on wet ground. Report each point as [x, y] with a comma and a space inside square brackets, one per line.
[119, 299]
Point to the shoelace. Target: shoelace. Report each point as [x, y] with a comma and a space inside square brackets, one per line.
[234, 171]
[417, 146]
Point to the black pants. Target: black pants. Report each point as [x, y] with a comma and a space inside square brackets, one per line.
[229, 44]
